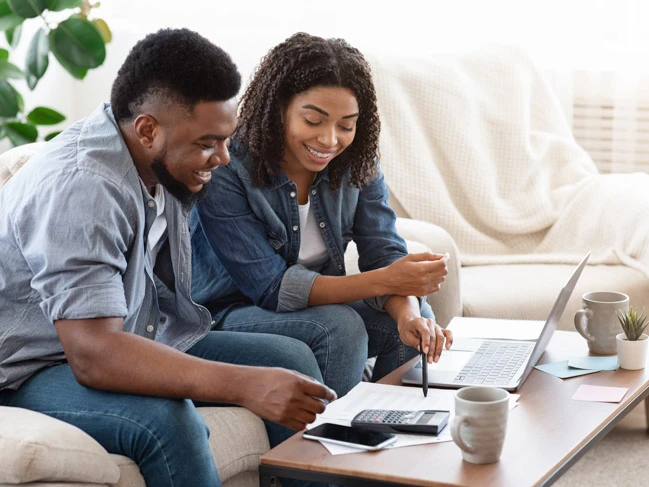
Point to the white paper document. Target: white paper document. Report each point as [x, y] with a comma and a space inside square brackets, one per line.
[367, 395]
[496, 328]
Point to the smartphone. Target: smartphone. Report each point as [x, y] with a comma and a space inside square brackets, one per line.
[348, 436]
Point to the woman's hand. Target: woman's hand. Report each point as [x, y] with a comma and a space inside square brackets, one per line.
[415, 274]
[424, 331]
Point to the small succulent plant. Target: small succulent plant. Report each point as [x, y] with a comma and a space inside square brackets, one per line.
[633, 324]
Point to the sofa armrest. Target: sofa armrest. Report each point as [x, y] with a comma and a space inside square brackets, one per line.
[421, 237]
[14, 159]
[447, 302]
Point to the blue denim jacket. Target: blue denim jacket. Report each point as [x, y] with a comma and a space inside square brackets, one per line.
[246, 239]
[73, 227]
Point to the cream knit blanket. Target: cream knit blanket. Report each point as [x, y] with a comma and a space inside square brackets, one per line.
[478, 144]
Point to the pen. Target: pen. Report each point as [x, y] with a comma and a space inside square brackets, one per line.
[424, 368]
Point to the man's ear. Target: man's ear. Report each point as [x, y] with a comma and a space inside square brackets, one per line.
[146, 129]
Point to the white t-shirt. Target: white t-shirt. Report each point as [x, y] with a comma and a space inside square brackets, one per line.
[313, 252]
[159, 226]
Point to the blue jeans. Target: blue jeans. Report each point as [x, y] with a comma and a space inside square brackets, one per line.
[342, 337]
[167, 438]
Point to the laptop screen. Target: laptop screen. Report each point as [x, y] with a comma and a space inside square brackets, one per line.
[555, 315]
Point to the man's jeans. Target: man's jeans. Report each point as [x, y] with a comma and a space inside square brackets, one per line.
[167, 438]
[342, 337]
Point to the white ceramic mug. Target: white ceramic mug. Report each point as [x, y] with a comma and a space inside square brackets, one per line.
[597, 320]
[480, 423]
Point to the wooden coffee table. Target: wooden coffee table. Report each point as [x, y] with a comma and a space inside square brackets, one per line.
[546, 434]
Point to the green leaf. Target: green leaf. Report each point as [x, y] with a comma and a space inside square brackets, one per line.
[8, 19]
[57, 5]
[75, 71]
[13, 35]
[4, 54]
[27, 9]
[9, 70]
[8, 100]
[4, 8]
[37, 58]
[51, 135]
[45, 116]
[103, 29]
[19, 99]
[21, 133]
[77, 43]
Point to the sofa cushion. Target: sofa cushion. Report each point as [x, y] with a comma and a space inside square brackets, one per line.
[237, 440]
[528, 291]
[35, 447]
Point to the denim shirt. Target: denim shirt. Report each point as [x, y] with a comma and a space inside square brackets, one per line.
[246, 239]
[73, 228]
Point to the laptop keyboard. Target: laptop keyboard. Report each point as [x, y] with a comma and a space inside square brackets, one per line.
[494, 363]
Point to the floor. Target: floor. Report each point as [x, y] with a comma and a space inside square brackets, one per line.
[621, 459]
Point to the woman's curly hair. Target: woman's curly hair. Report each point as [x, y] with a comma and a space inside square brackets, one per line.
[302, 62]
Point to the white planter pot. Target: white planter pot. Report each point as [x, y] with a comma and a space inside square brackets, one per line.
[632, 355]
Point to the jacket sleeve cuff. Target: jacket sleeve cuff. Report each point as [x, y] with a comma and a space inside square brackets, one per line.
[295, 289]
[378, 302]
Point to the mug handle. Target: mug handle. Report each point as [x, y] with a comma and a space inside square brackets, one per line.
[457, 437]
[581, 323]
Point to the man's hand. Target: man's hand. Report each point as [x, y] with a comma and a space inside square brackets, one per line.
[418, 331]
[286, 397]
[415, 274]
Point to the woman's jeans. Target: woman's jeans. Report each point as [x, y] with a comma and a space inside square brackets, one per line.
[342, 337]
[167, 438]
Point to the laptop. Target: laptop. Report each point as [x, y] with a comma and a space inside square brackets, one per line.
[504, 359]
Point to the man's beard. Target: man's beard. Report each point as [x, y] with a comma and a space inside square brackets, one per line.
[177, 189]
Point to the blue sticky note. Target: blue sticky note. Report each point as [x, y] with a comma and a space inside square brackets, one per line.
[594, 363]
[562, 370]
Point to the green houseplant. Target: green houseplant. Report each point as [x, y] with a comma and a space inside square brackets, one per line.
[633, 344]
[67, 31]
[633, 324]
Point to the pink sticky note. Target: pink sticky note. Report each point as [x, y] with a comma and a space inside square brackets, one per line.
[599, 393]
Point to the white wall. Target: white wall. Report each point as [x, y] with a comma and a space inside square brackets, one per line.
[559, 34]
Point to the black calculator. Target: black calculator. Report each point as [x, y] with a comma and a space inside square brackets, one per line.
[393, 421]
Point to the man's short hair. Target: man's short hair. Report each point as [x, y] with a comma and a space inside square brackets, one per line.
[177, 65]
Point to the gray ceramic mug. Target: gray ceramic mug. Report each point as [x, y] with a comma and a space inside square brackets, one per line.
[480, 423]
[597, 320]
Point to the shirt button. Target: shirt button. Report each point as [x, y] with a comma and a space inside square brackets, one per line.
[149, 328]
[295, 228]
[313, 191]
[292, 194]
[322, 224]
[151, 204]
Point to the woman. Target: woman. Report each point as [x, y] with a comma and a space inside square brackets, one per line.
[303, 180]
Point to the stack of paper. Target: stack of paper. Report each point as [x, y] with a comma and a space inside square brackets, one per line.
[367, 395]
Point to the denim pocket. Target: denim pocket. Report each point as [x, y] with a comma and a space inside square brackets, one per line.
[275, 242]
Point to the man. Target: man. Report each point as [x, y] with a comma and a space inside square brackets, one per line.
[97, 327]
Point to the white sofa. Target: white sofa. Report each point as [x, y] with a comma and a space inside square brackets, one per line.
[477, 143]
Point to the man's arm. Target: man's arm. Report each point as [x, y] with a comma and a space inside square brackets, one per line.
[102, 356]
